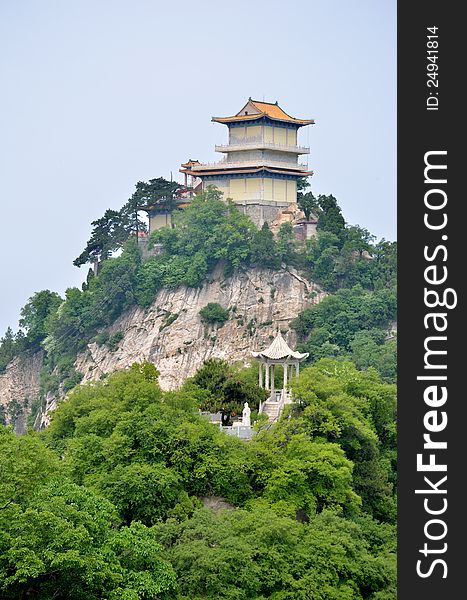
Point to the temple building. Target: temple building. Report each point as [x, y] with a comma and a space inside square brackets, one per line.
[260, 169]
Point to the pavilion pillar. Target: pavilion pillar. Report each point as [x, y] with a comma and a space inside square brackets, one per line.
[260, 375]
[267, 375]
[273, 391]
[284, 387]
[297, 368]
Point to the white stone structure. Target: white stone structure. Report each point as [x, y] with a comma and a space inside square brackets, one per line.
[246, 415]
[278, 353]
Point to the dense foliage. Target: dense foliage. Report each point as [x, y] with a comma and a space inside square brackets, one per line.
[61, 540]
[34, 315]
[106, 503]
[352, 322]
[209, 230]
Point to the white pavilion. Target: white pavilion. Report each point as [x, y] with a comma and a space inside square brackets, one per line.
[278, 353]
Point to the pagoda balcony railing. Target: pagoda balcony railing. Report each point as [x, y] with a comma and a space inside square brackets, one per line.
[224, 164]
[259, 143]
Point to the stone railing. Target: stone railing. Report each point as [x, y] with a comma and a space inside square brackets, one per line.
[222, 164]
[281, 404]
[258, 142]
[241, 431]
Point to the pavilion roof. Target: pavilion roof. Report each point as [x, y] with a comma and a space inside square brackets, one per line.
[190, 163]
[280, 350]
[254, 109]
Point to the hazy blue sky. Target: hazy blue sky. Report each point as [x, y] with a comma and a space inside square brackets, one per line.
[98, 94]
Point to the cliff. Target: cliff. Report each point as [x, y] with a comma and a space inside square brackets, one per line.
[170, 333]
[19, 389]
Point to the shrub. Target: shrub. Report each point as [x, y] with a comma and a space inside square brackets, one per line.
[114, 340]
[168, 320]
[213, 313]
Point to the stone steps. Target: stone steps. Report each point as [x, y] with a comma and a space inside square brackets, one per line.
[272, 410]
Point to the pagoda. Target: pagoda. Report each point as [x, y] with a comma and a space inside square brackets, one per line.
[260, 169]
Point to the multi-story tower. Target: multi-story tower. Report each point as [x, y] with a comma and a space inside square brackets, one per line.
[260, 168]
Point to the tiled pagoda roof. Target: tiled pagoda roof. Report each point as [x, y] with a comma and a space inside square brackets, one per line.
[279, 350]
[265, 109]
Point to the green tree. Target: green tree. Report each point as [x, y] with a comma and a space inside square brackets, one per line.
[330, 216]
[8, 349]
[339, 317]
[155, 193]
[34, 315]
[141, 491]
[103, 300]
[259, 554]
[104, 427]
[308, 204]
[324, 269]
[305, 199]
[136, 453]
[287, 245]
[358, 239]
[264, 249]
[209, 227]
[344, 405]
[63, 543]
[214, 313]
[229, 387]
[312, 475]
[385, 263]
[113, 229]
[24, 466]
[370, 349]
[108, 235]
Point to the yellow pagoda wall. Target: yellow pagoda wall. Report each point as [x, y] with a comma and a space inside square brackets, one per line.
[282, 136]
[291, 190]
[221, 184]
[253, 131]
[271, 134]
[237, 189]
[291, 137]
[253, 187]
[268, 134]
[266, 189]
[280, 190]
[245, 188]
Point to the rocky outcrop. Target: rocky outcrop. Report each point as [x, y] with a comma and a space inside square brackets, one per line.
[19, 390]
[171, 334]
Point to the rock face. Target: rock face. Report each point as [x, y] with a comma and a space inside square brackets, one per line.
[171, 335]
[19, 388]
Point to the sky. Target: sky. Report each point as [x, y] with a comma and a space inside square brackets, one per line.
[99, 94]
